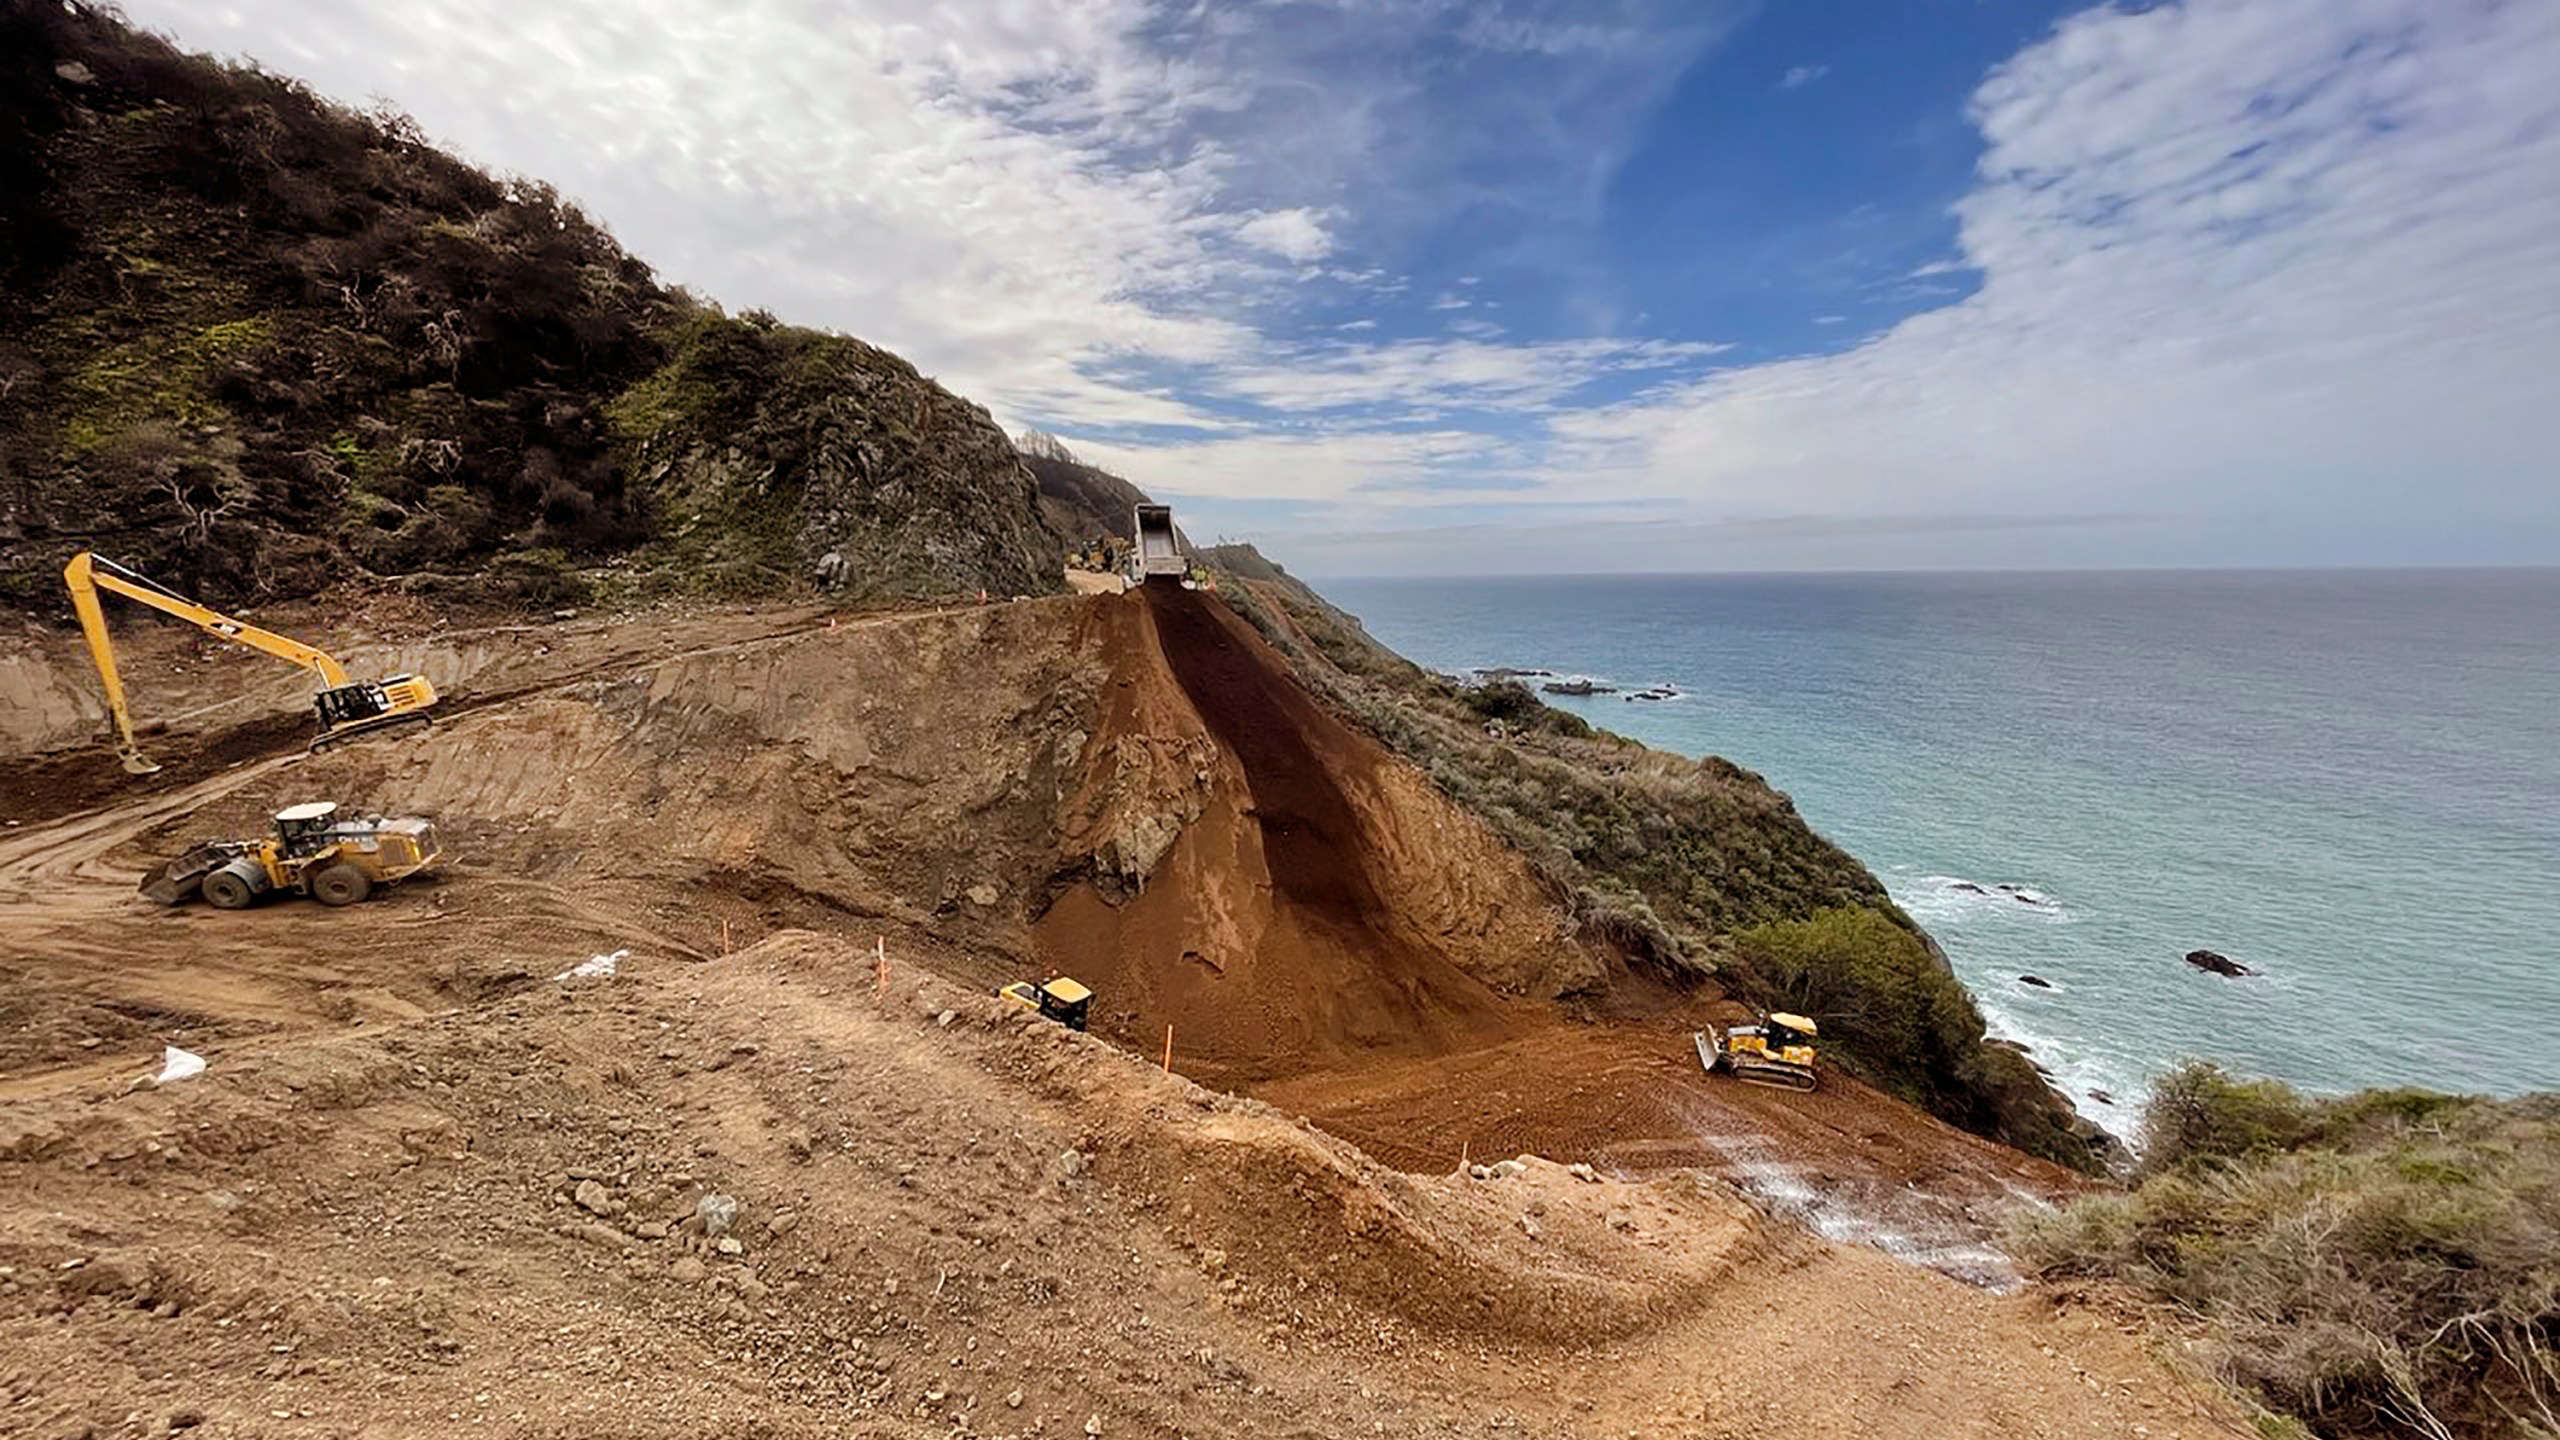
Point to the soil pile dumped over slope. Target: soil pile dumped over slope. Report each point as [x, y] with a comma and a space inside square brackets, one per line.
[1320, 907]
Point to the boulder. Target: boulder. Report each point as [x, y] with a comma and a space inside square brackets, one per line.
[2037, 981]
[2218, 963]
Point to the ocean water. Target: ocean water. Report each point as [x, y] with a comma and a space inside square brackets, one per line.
[2349, 781]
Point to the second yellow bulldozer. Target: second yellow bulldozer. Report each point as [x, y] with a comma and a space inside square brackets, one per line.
[1066, 1001]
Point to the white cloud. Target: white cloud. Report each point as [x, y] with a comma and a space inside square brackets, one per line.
[1290, 234]
[1398, 377]
[2249, 262]
[1800, 76]
[1067, 210]
[2283, 275]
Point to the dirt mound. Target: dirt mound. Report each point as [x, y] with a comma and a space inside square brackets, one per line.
[942, 1217]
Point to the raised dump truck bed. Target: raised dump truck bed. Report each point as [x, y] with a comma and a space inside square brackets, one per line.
[1157, 555]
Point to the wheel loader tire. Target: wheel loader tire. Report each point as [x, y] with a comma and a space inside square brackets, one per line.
[341, 884]
[225, 891]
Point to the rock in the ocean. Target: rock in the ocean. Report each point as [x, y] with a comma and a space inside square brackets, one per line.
[2218, 963]
[2037, 981]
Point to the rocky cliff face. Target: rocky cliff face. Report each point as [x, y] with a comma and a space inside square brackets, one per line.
[257, 344]
[771, 456]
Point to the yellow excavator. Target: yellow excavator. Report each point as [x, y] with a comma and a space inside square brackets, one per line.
[346, 707]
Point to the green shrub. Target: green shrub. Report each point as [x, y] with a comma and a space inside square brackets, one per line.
[1883, 1001]
[536, 579]
[2198, 1112]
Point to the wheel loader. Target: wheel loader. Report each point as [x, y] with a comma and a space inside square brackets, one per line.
[335, 859]
[1777, 1049]
[1066, 1001]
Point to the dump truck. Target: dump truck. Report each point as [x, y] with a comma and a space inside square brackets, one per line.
[1776, 1049]
[347, 707]
[1157, 554]
[1066, 1001]
[316, 851]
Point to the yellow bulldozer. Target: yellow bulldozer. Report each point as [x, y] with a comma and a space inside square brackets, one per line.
[347, 707]
[1776, 1049]
[335, 859]
[1066, 1001]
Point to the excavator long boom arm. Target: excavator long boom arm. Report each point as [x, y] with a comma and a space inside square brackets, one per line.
[87, 574]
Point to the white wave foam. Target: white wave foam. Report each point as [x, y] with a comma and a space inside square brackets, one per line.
[1954, 900]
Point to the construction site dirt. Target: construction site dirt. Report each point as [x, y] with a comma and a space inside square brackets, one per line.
[431, 1177]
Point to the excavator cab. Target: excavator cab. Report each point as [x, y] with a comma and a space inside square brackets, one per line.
[1066, 1001]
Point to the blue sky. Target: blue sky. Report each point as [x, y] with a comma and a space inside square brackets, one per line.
[1466, 285]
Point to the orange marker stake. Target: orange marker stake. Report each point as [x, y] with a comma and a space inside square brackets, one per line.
[1168, 1049]
[724, 937]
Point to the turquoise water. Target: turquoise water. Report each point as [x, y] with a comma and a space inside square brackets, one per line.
[2349, 781]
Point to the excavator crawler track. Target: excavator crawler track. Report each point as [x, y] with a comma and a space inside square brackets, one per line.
[362, 728]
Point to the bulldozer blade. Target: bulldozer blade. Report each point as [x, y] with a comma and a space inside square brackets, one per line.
[1706, 1050]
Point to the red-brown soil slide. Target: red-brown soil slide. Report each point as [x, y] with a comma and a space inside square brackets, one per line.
[426, 1185]
[1335, 936]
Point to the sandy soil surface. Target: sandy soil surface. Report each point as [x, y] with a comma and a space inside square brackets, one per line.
[368, 1213]
[951, 1218]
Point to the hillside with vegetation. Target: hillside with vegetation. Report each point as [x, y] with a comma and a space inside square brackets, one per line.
[2383, 1264]
[257, 343]
[1698, 867]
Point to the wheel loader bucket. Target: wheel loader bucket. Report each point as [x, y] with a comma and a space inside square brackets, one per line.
[177, 880]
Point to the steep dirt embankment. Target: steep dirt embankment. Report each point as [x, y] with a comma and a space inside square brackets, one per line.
[1317, 907]
[942, 1217]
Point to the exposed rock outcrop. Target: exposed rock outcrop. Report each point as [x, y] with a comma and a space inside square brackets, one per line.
[2218, 963]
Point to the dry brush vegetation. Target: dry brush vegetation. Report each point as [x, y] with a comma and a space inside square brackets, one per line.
[2383, 1264]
